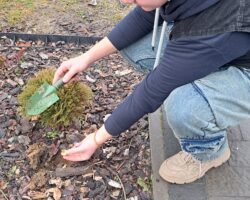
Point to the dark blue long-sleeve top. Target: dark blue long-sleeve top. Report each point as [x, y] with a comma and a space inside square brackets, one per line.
[183, 61]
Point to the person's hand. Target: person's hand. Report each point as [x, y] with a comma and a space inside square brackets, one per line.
[81, 151]
[70, 68]
[86, 148]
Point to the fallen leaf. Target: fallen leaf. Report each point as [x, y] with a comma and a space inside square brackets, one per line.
[37, 195]
[124, 72]
[23, 44]
[115, 193]
[114, 184]
[64, 152]
[91, 80]
[44, 56]
[97, 178]
[19, 81]
[11, 82]
[54, 148]
[17, 57]
[93, 3]
[56, 193]
[2, 61]
[3, 185]
[34, 118]
[88, 175]
[38, 180]
[84, 190]
[58, 182]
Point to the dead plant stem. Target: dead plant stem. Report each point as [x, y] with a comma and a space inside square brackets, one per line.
[4, 194]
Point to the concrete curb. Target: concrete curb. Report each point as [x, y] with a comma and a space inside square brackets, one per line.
[160, 188]
[230, 181]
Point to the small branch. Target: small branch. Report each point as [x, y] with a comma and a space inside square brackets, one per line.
[11, 155]
[74, 171]
[123, 189]
[71, 171]
[4, 194]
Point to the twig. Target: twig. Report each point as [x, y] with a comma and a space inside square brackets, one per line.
[71, 171]
[11, 155]
[130, 143]
[4, 194]
[74, 171]
[119, 166]
[123, 189]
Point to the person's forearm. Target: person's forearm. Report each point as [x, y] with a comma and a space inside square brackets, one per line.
[99, 50]
[131, 28]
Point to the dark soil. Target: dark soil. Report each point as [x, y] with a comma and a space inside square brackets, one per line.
[31, 166]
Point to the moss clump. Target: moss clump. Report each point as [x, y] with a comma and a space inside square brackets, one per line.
[74, 97]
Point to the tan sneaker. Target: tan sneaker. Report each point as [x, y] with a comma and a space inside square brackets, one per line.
[184, 168]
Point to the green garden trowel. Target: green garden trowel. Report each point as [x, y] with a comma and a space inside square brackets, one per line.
[43, 98]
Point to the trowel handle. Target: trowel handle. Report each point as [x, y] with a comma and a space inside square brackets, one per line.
[58, 83]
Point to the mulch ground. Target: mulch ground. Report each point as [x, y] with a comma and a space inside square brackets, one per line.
[31, 166]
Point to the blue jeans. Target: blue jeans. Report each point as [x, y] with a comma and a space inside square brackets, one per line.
[200, 112]
[140, 55]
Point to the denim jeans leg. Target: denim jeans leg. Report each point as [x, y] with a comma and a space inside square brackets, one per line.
[141, 55]
[200, 112]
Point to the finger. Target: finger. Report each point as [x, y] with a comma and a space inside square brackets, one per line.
[74, 150]
[76, 157]
[70, 74]
[64, 68]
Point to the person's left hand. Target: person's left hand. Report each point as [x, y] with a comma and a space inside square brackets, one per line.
[81, 151]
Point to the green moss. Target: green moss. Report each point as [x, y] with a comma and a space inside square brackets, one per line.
[51, 134]
[146, 184]
[74, 97]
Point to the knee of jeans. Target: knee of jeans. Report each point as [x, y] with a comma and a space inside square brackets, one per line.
[177, 112]
[146, 64]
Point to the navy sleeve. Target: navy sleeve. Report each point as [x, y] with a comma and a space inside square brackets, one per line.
[183, 62]
[133, 27]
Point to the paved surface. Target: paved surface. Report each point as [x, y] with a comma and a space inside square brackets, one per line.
[230, 181]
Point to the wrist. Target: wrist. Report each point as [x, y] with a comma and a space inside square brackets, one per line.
[101, 136]
[86, 58]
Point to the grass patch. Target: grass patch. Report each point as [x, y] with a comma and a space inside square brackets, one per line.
[15, 11]
[111, 10]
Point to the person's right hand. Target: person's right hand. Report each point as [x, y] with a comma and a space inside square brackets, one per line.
[70, 68]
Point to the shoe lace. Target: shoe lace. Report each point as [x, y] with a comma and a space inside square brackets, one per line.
[189, 159]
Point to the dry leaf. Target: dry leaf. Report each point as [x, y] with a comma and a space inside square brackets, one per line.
[114, 184]
[37, 195]
[91, 80]
[64, 152]
[23, 44]
[88, 175]
[97, 178]
[58, 182]
[124, 72]
[3, 185]
[34, 118]
[84, 190]
[56, 193]
[17, 57]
